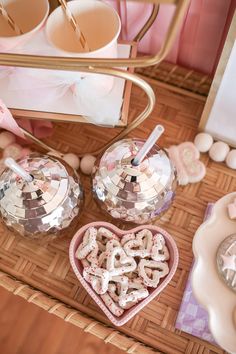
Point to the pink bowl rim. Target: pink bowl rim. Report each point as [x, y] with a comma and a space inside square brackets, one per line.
[134, 310]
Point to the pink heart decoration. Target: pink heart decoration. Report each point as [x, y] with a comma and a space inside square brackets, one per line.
[78, 268]
[185, 158]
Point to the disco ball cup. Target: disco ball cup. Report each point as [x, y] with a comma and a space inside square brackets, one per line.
[135, 194]
[45, 206]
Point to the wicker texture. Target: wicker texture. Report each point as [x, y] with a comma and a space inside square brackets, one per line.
[179, 77]
[46, 268]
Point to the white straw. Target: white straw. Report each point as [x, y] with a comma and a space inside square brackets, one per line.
[74, 24]
[10, 20]
[11, 163]
[157, 132]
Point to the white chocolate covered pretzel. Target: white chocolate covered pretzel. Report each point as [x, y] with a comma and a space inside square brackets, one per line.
[159, 250]
[89, 243]
[128, 264]
[126, 238]
[98, 278]
[133, 285]
[131, 299]
[122, 283]
[112, 244]
[118, 285]
[136, 283]
[160, 269]
[103, 235]
[132, 275]
[111, 305]
[112, 291]
[136, 292]
[101, 246]
[141, 246]
[92, 257]
[102, 260]
[85, 263]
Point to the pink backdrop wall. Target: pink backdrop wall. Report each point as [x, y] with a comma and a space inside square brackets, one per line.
[200, 40]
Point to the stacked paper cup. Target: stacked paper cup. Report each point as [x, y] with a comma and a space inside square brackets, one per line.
[100, 25]
[27, 15]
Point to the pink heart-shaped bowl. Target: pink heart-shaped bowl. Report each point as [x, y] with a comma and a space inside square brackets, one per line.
[78, 268]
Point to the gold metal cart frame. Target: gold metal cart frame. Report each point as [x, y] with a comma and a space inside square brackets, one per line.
[110, 66]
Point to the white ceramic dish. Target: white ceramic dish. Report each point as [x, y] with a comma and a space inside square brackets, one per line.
[209, 289]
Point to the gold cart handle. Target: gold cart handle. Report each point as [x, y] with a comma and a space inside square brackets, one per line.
[148, 24]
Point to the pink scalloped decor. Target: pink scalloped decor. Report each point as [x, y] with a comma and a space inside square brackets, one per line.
[153, 292]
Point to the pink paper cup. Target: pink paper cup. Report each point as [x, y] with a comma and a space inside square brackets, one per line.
[29, 15]
[101, 27]
[78, 268]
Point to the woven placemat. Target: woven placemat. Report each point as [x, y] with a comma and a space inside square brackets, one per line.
[47, 269]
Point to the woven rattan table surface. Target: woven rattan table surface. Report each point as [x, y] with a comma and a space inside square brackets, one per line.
[47, 269]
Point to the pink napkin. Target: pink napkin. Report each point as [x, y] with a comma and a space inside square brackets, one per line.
[192, 317]
[8, 122]
[40, 129]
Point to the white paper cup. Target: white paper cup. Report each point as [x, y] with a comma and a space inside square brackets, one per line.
[101, 27]
[29, 15]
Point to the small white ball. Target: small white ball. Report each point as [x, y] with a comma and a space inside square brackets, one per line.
[87, 164]
[231, 159]
[203, 142]
[72, 160]
[13, 150]
[6, 139]
[219, 151]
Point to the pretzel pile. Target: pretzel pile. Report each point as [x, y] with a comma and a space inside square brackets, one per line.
[121, 270]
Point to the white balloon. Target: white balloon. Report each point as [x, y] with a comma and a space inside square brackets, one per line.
[72, 160]
[6, 139]
[87, 163]
[203, 142]
[219, 151]
[231, 159]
